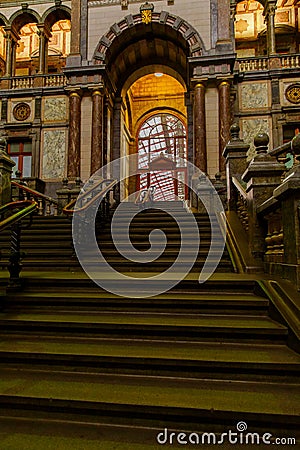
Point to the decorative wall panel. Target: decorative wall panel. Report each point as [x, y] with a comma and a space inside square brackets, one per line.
[53, 154]
[250, 128]
[55, 109]
[254, 96]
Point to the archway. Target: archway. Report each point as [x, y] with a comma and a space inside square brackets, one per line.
[132, 51]
[155, 102]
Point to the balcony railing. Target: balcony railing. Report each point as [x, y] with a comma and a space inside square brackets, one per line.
[264, 63]
[29, 82]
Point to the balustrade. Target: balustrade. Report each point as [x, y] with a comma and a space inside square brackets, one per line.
[263, 63]
[46, 206]
[29, 82]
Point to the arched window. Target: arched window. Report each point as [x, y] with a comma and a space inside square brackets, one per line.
[162, 150]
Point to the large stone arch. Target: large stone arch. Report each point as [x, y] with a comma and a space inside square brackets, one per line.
[168, 22]
[130, 44]
[22, 17]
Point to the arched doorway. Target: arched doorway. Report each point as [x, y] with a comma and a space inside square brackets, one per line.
[162, 156]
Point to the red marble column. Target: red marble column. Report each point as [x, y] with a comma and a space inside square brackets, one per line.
[97, 131]
[200, 153]
[224, 120]
[74, 134]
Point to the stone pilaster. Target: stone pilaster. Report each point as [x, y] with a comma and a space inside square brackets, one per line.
[97, 131]
[200, 152]
[224, 120]
[74, 134]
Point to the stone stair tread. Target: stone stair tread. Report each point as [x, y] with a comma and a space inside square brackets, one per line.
[266, 398]
[150, 319]
[172, 296]
[191, 351]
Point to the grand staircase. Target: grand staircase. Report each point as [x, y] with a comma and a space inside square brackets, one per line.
[82, 368]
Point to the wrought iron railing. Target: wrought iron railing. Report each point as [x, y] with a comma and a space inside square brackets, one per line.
[97, 192]
[47, 206]
[12, 219]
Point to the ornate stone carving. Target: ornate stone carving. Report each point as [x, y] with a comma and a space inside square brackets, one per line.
[251, 127]
[292, 93]
[21, 111]
[55, 109]
[254, 96]
[54, 154]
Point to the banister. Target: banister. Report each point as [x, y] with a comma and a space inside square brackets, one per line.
[239, 187]
[29, 207]
[35, 193]
[293, 146]
[13, 221]
[68, 209]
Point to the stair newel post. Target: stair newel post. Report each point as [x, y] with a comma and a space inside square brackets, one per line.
[63, 195]
[288, 194]
[235, 154]
[262, 176]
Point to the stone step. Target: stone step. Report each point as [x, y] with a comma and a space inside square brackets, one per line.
[148, 325]
[193, 303]
[203, 360]
[148, 401]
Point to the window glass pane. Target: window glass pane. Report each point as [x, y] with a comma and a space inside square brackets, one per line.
[27, 166]
[27, 147]
[14, 147]
[15, 168]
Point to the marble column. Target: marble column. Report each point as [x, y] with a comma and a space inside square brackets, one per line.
[224, 120]
[97, 131]
[200, 153]
[74, 134]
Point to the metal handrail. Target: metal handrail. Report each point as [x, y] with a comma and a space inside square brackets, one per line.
[29, 207]
[35, 193]
[69, 210]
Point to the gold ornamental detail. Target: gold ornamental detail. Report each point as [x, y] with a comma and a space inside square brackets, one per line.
[146, 12]
[292, 93]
